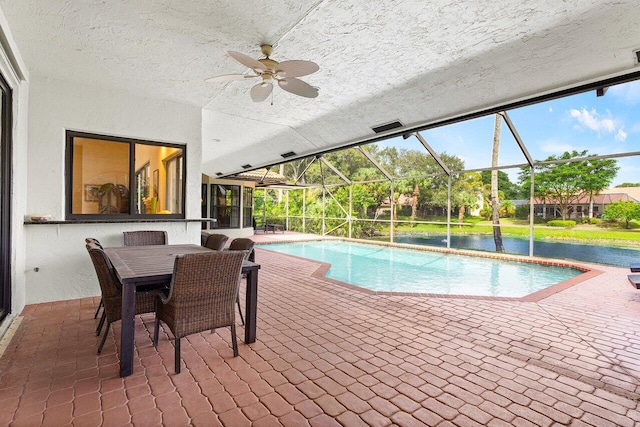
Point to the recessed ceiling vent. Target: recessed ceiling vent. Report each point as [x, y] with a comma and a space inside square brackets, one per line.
[387, 126]
[289, 154]
[247, 166]
[219, 173]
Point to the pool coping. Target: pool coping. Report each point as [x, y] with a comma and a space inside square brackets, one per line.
[323, 268]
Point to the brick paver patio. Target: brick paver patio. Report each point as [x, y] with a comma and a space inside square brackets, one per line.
[333, 355]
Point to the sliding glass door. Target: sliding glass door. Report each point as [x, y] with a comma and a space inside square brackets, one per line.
[5, 198]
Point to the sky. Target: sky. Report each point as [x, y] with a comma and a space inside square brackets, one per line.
[602, 125]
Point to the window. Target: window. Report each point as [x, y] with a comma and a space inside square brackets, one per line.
[123, 178]
[247, 207]
[204, 205]
[174, 183]
[225, 205]
[6, 105]
[142, 190]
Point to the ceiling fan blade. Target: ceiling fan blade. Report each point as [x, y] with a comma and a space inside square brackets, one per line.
[261, 91]
[229, 77]
[298, 87]
[247, 61]
[296, 68]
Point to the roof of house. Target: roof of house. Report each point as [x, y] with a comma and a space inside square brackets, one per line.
[633, 192]
[600, 199]
[261, 176]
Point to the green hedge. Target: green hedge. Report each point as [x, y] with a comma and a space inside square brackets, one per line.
[566, 223]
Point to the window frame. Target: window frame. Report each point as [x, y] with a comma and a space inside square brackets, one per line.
[70, 135]
[6, 191]
[141, 172]
[247, 207]
[179, 161]
[231, 208]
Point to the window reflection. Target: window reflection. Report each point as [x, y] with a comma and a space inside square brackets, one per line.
[117, 176]
[225, 206]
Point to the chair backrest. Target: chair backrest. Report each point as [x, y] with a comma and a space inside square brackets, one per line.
[110, 286]
[94, 241]
[216, 241]
[204, 289]
[244, 244]
[145, 238]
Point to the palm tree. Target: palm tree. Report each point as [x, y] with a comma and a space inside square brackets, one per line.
[495, 203]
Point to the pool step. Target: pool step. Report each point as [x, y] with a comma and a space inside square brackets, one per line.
[635, 280]
[635, 267]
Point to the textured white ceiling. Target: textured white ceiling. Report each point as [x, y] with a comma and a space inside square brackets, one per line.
[414, 60]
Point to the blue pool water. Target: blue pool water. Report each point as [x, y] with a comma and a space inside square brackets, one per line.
[383, 268]
[610, 255]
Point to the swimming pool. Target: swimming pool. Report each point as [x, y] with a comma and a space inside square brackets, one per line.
[393, 269]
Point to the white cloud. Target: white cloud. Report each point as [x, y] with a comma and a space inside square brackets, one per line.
[592, 120]
[599, 123]
[551, 109]
[621, 135]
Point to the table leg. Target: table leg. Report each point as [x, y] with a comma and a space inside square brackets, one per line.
[251, 307]
[128, 329]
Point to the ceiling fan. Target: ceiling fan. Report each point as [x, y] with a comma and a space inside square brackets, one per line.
[283, 73]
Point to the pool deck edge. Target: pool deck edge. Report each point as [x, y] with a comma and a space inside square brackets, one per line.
[587, 272]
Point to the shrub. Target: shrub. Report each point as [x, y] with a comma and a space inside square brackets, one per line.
[566, 223]
[539, 220]
[486, 212]
[595, 221]
[522, 212]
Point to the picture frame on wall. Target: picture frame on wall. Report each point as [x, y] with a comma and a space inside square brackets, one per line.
[91, 192]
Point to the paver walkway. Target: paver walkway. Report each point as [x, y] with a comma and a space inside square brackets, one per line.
[333, 355]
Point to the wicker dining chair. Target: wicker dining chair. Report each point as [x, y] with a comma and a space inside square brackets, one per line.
[100, 304]
[145, 237]
[201, 296]
[246, 245]
[216, 241]
[111, 290]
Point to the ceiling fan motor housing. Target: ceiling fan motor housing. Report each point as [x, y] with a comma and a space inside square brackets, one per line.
[269, 63]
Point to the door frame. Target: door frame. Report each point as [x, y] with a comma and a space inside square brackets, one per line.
[6, 175]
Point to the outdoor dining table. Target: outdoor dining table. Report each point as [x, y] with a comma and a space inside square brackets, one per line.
[153, 265]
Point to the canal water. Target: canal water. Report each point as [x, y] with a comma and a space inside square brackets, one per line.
[609, 255]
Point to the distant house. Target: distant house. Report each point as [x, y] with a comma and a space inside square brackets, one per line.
[547, 208]
[385, 205]
[407, 201]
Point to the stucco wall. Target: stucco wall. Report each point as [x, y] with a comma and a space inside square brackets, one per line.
[19, 196]
[57, 251]
[16, 74]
